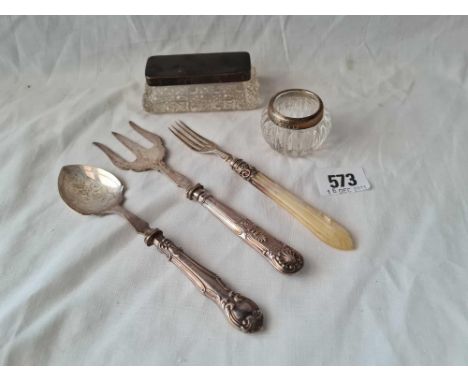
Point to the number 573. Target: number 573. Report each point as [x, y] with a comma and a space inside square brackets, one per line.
[344, 180]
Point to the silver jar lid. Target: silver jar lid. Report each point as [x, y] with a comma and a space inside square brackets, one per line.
[295, 122]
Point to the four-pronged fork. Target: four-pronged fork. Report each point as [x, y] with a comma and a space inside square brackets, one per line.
[282, 257]
[320, 224]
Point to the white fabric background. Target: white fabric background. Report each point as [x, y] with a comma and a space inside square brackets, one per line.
[86, 290]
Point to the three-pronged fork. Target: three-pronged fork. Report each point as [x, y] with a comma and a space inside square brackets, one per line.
[282, 257]
[320, 224]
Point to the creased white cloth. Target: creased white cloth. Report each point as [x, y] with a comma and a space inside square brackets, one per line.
[86, 290]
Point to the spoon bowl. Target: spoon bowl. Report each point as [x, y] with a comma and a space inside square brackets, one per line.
[90, 190]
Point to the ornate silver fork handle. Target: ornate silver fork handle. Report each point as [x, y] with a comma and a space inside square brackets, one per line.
[284, 258]
[239, 310]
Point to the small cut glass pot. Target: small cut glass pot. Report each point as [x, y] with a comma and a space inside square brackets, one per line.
[295, 122]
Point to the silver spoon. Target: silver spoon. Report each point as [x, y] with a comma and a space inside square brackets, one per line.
[94, 191]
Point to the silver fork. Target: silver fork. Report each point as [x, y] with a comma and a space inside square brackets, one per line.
[284, 258]
[316, 221]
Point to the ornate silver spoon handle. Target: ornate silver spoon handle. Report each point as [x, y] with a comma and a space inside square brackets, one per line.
[239, 310]
[284, 258]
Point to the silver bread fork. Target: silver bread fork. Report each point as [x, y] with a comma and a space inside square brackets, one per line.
[284, 258]
[316, 221]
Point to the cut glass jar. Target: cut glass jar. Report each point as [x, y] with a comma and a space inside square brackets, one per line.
[200, 82]
[295, 122]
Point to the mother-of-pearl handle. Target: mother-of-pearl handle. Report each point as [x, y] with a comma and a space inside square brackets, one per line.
[326, 229]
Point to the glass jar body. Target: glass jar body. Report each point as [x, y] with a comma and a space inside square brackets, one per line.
[295, 142]
[224, 96]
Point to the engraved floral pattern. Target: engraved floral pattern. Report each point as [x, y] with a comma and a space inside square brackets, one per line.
[251, 229]
[89, 190]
